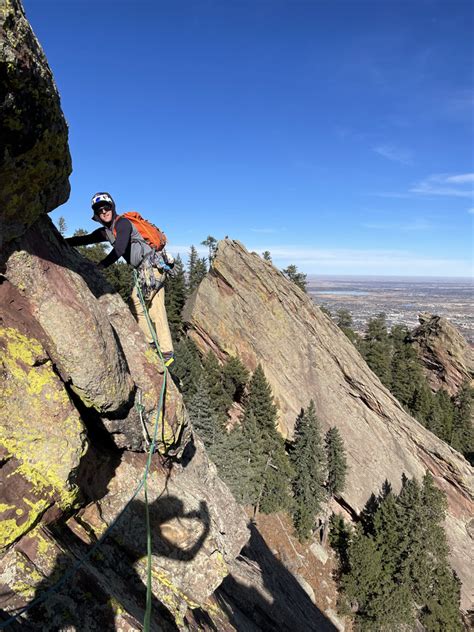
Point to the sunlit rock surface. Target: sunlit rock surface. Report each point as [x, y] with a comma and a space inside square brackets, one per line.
[246, 307]
[448, 358]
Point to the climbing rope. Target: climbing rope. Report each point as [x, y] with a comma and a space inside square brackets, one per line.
[142, 484]
[147, 619]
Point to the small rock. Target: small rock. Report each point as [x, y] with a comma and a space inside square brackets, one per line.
[319, 552]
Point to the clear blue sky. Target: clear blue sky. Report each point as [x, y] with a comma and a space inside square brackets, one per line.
[337, 135]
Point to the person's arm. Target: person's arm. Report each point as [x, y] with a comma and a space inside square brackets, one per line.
[123, 235]
[85, 240]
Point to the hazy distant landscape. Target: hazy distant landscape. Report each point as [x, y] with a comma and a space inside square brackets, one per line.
[401, 298]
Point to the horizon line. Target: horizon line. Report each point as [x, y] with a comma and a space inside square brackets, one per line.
[388, 276]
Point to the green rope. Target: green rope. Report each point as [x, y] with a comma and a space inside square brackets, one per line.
[147, 619]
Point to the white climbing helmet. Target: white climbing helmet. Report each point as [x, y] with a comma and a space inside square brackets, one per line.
[102, 198]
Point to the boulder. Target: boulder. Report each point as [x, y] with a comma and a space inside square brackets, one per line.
[42, 437]
[319, 552]
[34, 156]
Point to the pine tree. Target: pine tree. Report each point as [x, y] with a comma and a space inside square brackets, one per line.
[187, 367]
[235, 377]
[213, 372]
[420, 405]
[299, 278]
[211, 243]
[434, 421]
[441, 612]
[345, 323]
[339, 538]
[391, 604]
[309, 464]
[463, 432]
[197, 270]
[362, 581]
[256, 459]
[405, 370]
[336, 462]
[200, 271]
[191, 269]
[437, 586]
[276, 474]
[238, 470]
[62, 226]
[325, 309]
[267, 256]
[446, 408]
[202, 416]
[175, 298]
[375, 348]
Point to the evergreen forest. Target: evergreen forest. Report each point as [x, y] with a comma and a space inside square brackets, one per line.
[393, 565]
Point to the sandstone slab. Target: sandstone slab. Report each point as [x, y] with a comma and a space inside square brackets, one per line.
[246, 307]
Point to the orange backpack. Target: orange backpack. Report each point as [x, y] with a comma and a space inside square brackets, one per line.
[153, 236]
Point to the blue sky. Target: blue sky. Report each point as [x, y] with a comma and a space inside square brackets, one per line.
[337, 135]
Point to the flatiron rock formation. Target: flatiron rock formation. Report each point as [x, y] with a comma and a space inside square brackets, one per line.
[446, 355]
[247, 308]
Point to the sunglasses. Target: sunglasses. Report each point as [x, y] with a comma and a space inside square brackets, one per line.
[104, 209]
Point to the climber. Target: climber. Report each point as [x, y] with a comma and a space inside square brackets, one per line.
[151, 266]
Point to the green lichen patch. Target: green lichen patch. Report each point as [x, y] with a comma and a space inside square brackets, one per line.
[40, 432]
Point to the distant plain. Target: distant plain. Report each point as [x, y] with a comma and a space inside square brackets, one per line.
[400, 298]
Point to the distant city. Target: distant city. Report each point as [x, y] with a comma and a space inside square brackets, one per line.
[400, 298]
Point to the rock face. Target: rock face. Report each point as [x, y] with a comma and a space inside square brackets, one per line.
[448, 358]
[34, 157]
[79, 390]
[246, 307]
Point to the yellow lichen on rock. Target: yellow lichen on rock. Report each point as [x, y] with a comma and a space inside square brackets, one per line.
[10, 530]
[40, 432]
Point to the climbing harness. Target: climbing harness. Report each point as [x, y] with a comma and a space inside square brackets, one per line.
[142, 484]
[146, 278]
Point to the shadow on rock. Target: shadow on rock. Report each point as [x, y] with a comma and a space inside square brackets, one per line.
[262, 594]
[107, 585]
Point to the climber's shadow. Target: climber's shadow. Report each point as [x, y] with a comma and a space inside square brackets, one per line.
[173, 529]
[113, 572]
